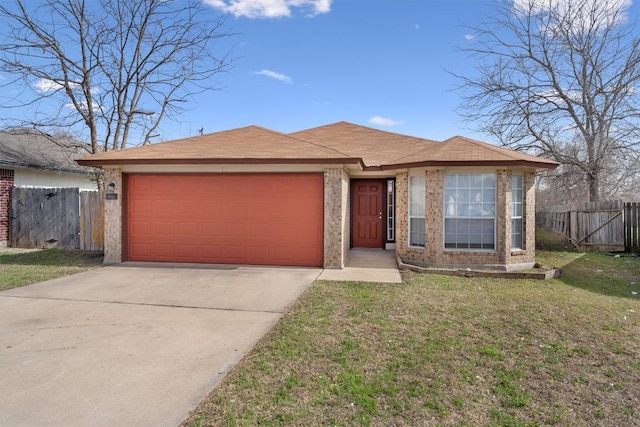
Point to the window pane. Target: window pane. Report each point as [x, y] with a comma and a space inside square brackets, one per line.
[469, 210]
[416, 232]
[489, 180]
[475, 181]
[489, 210]
[489, 196]
[516, 234]
[416, 210]
[451, 180]
[517, 211]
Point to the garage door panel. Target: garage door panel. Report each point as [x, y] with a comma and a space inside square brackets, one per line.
[211, 253]
[269, 219]
[164, 251]
[184, 252]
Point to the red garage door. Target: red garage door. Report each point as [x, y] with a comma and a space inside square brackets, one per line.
[265, 219]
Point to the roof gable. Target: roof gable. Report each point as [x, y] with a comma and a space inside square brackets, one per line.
[460, 150]
[375, 147]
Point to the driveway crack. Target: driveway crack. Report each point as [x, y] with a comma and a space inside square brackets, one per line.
[147, 304]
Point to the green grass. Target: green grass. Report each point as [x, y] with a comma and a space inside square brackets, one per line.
[450, 351]
[22, 269]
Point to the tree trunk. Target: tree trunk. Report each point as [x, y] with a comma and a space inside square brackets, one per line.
[594, 187]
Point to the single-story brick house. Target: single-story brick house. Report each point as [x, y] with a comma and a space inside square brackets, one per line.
[256, 196]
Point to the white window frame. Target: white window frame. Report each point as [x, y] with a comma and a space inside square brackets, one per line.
[517, 211]
[391, 210]
[469, 203]
[416, 204]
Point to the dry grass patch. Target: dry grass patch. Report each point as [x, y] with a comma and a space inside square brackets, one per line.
[20, 269]
[440, 350]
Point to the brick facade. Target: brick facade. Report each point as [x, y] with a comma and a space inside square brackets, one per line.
[435, 254]
[113, 227]
[6, 186]
[337, 228]
[336, 217]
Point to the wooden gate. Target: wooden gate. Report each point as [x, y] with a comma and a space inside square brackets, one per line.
[56, 218]
[608, 226]
[632, 227]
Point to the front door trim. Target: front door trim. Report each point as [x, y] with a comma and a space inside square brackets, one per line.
[368, 213]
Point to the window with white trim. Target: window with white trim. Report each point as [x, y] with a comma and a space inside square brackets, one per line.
[517, 210]
[416, 211]
[391, 208]
[469, 211]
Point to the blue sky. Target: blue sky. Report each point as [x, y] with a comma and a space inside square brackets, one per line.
[377, 63]
[305, 63]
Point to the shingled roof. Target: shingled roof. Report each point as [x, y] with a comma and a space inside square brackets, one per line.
[251, 144]
[462, 151]
[337, 143]
[375, 147]
[27, 148]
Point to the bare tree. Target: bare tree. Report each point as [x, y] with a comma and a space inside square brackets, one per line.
[109, 69]
[559, 78]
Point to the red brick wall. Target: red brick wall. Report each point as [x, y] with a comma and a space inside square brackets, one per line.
[6, 184]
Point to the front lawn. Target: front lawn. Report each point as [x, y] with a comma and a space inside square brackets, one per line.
[439, 350]
[22, 269]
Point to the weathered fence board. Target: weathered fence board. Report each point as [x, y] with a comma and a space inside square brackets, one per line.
[632, 227]
[91, 221]
[56, 218]
[609, 225]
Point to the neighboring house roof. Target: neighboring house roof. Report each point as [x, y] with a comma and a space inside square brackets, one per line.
[340, 143]
[26, 148]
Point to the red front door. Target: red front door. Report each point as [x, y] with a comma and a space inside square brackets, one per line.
[367, 214]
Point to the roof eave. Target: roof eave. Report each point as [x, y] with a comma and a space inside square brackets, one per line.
[539, 166]
[21, 165]
[227, 161]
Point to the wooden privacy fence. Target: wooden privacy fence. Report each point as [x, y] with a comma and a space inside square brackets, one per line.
[608, 226]
[57, 218]
[632, 227]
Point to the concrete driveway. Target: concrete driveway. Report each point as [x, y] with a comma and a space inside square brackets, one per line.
[132, 345]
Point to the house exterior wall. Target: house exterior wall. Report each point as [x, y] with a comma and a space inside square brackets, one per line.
[336, 217]
[434, 253]
[346, 217]
[49, 179]
[113, 221]
[6, 184]
[337, 230]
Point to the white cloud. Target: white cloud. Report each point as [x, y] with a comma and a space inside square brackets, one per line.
[609, 12]
[82, 106]
[417, 26]
[274, 75]
[469, 37]
[270, 8]
[46, 85]
[384, 121]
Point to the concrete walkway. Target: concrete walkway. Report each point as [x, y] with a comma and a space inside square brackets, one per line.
[132, 346]
[367, 265]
